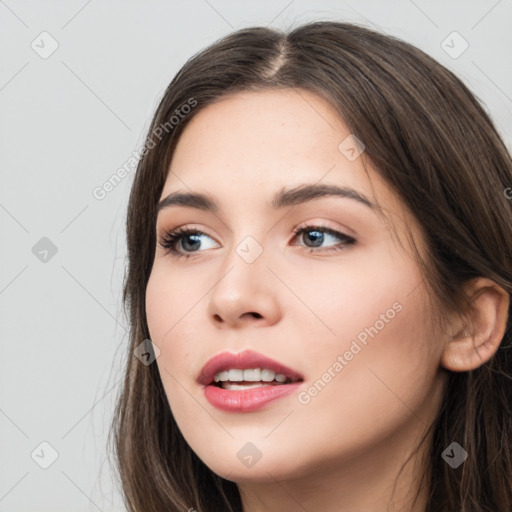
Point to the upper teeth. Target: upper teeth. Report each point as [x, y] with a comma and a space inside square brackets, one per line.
[252, 375]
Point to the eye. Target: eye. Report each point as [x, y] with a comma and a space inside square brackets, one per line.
[188, 238]
[317, 235]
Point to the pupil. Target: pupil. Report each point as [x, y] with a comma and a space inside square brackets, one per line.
[316, 238]
[197, 241]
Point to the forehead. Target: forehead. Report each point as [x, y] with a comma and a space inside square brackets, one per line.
[262, 129]
[270, 136]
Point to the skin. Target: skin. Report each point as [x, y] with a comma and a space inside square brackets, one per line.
[341, 451]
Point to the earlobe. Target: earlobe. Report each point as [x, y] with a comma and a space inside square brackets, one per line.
[475, 343]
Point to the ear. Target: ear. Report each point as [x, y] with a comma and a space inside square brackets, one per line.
[473, 344]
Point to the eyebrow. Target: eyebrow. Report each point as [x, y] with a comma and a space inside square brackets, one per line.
[291, 197]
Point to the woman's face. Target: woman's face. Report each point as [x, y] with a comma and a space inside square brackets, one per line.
[347, 312]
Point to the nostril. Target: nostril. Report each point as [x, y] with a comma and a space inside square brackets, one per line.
[251, 314]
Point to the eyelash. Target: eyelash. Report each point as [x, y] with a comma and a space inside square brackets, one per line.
[169, 240]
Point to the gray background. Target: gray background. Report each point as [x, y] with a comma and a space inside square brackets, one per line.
[68, 121]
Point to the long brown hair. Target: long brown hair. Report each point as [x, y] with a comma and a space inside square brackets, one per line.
[434, 144]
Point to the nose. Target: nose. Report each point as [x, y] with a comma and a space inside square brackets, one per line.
[245, 293]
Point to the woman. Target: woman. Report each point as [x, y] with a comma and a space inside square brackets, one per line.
[338, 338]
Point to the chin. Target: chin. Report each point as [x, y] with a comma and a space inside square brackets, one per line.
[265, 470]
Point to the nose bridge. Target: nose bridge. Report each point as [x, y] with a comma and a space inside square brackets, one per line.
[248, 237]
[243, 268]
[244, 285]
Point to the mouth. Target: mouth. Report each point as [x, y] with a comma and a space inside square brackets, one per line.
[237, 379]
[248, 369]
[246, 381]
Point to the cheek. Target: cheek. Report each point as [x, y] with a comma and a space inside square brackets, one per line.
[171, 310]
[375, 314]
[353, 293]
[172, 316]
[384, 370]
[171, 298]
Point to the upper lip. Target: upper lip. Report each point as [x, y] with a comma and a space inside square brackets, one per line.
[242, 360]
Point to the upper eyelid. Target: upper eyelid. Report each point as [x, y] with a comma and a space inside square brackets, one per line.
[307, 225]
[322, 227]
[312, 224]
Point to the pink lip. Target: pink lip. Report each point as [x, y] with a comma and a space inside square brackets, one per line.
[246, 400]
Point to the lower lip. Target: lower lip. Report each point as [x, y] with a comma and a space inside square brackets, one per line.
[247, 400]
